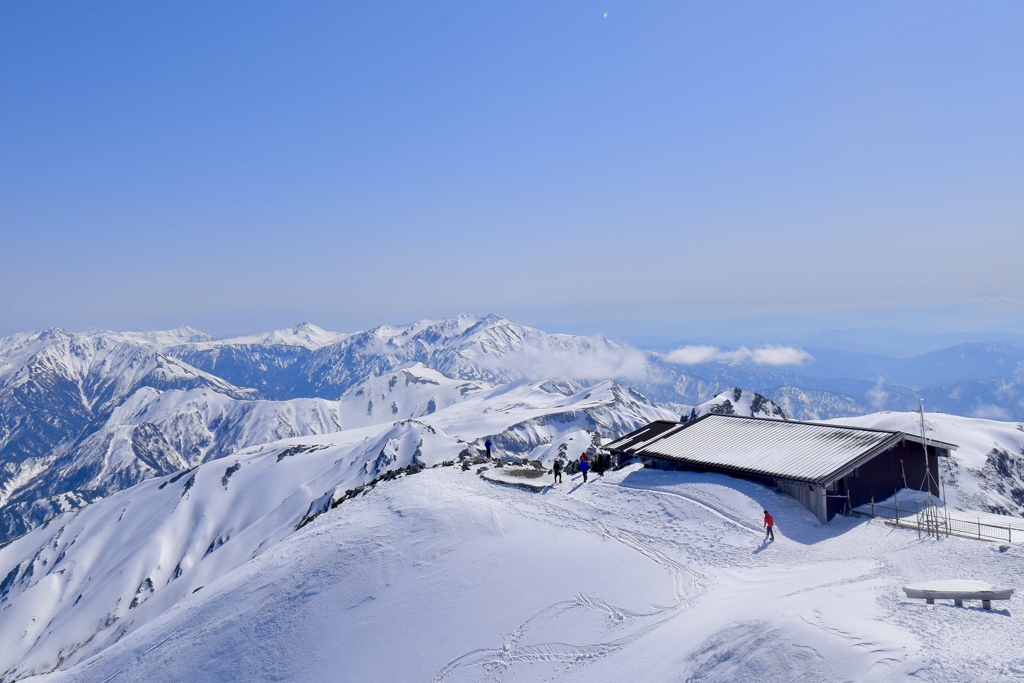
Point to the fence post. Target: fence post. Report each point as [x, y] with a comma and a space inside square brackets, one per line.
[897, 508]
[872, 507]
[917, 516]
[979, 528]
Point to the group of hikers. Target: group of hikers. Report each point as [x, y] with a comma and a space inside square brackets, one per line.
[602, 462]
[582, 465]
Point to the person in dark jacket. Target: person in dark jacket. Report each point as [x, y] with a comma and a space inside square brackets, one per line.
[769, 522]
[584, 466]
[557, 469]
[487, 445]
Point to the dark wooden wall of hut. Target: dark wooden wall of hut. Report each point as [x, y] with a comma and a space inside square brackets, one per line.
[882, 476]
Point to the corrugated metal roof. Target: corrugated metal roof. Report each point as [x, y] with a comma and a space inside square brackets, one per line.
[801, 451]
[645, 433]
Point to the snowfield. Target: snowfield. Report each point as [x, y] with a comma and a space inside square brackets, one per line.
[277, 563]
[211, 535]
[640, 575]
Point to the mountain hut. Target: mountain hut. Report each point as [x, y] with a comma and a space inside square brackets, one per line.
[829, 468]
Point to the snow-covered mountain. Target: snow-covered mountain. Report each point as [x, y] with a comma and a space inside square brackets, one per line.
[85, 414]
[280, 365]
[280, 562]
[153, 433]
[259, 495]
[735, 401]
[57, 387]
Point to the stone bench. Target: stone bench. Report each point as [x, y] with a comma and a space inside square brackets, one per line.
[958, 596]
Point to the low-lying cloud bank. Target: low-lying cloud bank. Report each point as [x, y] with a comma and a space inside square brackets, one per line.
[763, 355]
[595, 360]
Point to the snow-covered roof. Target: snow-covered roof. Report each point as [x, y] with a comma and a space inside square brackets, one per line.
[801, 451]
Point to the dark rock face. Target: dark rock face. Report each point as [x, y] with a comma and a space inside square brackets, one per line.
[1003, 475]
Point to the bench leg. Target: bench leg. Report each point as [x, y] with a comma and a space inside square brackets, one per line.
[958, 602]
[987, 604]
[930, 601]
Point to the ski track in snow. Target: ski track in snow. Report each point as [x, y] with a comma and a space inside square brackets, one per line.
[498, 661]
[823, 604]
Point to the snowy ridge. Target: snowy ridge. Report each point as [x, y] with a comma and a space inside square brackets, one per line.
[738, 402]
[61, 446]
[180, 532]
[489, 349]
[57, 386]
[208, 579]
[151, 433]
[305, 335]
[408, 392]
[87, 579]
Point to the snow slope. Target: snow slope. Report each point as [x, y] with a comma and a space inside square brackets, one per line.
[641, 575]
[146, 541]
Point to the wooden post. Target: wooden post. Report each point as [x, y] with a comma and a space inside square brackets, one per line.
[917, 516]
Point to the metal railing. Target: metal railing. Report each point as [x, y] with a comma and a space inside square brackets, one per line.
[933, 521]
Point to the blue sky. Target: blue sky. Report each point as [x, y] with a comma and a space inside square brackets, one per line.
[245, 166]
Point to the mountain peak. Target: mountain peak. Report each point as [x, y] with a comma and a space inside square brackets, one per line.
[735, 401]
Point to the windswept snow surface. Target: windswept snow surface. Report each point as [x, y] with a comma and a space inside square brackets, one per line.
[442, 576]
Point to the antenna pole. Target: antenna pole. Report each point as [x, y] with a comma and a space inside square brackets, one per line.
[924, 445]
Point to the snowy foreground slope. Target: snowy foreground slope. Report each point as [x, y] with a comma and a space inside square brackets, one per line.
[640, 575]
[273, 564]
[81, 582]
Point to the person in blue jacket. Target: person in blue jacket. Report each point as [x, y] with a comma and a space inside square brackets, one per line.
[487, 445]
[584, 466]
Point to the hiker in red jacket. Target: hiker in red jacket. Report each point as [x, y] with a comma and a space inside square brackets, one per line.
[769, 522]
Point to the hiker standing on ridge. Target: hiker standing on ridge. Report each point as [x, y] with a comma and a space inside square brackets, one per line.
[557, 469]
[487, 446]
[584, 466]
[769, 522]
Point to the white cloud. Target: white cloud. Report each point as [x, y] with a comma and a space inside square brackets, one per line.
[781, 355]
[691, 355]
[991, 412]
[596, 360]
[764, 355]
[878, 395]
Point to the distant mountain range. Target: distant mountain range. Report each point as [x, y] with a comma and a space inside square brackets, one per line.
[85, 414]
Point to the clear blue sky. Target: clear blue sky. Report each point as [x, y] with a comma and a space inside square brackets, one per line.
[244, 166]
